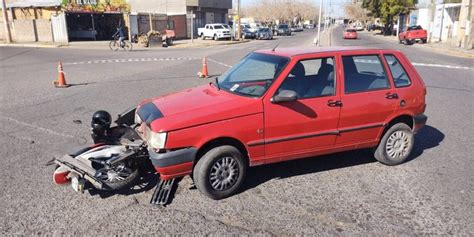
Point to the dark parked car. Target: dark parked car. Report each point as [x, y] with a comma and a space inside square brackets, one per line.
[282, 29]
[247, 34]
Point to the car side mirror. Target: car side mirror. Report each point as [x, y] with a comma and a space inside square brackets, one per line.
[284, 96]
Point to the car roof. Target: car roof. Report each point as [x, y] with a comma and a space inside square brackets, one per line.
[291, 52]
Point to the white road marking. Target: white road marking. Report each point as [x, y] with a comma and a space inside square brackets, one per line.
[439, 65]
[220, 63]
[131, 60]
[46, 130]
[418, 64]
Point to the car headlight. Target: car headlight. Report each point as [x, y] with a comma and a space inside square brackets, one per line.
[156, 140]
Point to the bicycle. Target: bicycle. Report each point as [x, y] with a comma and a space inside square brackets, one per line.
[114, 44]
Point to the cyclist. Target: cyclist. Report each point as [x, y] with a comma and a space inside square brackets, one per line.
[121, 34]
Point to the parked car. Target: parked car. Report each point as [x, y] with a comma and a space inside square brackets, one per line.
[214, 31]
[264, 33]
[247, 34]
[349, 34]
[296, 29]
[412, 34]
[282, 29]
[284, 104]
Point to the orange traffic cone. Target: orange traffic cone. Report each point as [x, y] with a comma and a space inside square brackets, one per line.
[61, 82]
[204, 73]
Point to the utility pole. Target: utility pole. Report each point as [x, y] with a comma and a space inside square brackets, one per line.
[239, 30]
[433, 11]
[8, 34]
[318, 43]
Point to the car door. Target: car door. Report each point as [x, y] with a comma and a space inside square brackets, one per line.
[309, 124]
[368, 99]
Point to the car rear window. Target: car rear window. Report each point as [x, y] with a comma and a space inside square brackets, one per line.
[399, 75]
[350, 30]
[363, 73]
[415, 28]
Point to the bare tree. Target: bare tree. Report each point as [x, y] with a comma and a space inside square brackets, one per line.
[281, 10]
[356, 12]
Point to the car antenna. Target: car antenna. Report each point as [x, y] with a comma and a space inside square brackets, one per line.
[273, 50]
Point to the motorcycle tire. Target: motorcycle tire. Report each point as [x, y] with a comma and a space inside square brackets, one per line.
[124, 183]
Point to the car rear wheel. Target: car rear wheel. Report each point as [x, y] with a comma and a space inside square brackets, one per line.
[203, 37]
[220, 172]
[396, 145]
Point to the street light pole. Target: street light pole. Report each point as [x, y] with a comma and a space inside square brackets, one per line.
[5, 22]
[319, 22]
[239, 30]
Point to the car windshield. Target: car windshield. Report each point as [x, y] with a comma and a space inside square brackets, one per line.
[415, 28]
[350, 30]
[263, 30]
[283, 26]
[218, 27]
[253, 74]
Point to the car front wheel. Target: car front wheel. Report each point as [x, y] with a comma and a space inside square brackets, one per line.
[396, 145]
[220, 172]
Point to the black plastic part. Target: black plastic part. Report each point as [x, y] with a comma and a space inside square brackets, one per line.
[163, 191]
[127, 117]
[171, 158]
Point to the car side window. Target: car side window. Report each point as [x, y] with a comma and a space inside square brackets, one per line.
[399, 75]
[363, 73]
[311, 78]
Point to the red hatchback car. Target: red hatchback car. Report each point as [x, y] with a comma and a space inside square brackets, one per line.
[285, 104]
[350, 34]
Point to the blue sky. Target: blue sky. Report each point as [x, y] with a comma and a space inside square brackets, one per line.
[337, 6]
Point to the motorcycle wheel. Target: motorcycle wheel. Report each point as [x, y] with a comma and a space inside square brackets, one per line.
[118, 177]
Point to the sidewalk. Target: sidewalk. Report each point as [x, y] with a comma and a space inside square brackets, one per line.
[98, 45]
[444, 48]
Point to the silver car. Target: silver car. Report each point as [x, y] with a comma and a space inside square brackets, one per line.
[264, 33]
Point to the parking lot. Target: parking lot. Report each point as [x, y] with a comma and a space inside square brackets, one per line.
[341, 194]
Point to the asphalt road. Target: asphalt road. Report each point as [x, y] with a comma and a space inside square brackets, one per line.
[342, 194]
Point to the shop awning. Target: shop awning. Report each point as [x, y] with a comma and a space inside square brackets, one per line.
[32, 3]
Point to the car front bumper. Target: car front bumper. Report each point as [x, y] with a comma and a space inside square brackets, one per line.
[173, 164]
[419, 122]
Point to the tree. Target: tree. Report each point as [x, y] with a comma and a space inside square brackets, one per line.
[387, 9]
[356, 11]
[282, 10]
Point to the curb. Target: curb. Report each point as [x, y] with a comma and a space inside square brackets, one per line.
[31, 45]
[206, 45]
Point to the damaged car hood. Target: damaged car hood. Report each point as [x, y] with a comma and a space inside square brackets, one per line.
[194, 107]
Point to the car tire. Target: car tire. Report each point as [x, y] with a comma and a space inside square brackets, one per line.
[233, 169]
[203, 37]
[215, 38]
[423, 41]
[396, 145]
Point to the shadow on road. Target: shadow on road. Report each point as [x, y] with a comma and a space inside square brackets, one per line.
[427, 138]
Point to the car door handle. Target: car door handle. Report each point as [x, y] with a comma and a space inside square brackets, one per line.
[334, 103]
[391, 96]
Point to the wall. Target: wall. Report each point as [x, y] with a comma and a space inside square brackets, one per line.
[44, 31]
[23, 31]
[180, 26]
[172, 7]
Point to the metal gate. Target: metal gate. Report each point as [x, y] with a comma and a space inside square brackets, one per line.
[59, 28]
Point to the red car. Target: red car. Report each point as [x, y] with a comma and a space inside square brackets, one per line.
[285, 104]
[412, 34]
[350, 34]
